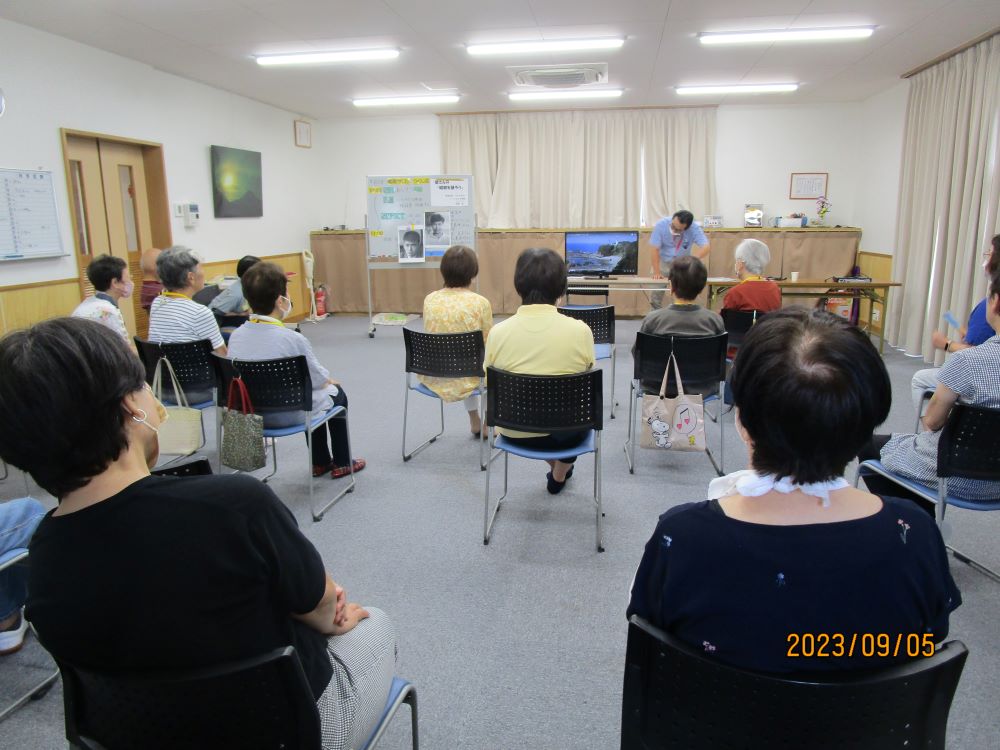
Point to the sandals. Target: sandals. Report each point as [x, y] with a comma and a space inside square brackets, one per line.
[342, 471]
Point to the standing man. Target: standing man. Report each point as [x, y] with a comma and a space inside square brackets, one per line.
[672, 238]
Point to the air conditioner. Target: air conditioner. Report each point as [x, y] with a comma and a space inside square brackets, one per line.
[559, 76]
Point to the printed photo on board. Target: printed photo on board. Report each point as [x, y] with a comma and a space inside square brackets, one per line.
[411, 245]
[438, 224]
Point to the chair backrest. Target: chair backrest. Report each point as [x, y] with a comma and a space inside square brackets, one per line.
[601, 321]
[274, 385]
[969, 445]
[738, 323]
[676, 697]
[701, 359]
[206, 294]
[263, 702]
[200, 467]
[544, 403]
[230, 320]
[444, 355]
[191, 360]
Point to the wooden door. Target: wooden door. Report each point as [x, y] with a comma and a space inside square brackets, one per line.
[127, 204]
[87, 211]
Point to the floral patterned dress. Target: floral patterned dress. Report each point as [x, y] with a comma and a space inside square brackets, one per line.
[451, 310]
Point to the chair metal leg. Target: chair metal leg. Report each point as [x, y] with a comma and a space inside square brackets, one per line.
[36, 693]
[631, 434]
[614, 365]
[408, 696]
[490, 514]
[598, 481]
[318, 515]
[483, 442]
[6, 471]
[428, 441]
[414, 731]
[218, 440]
[274, 459]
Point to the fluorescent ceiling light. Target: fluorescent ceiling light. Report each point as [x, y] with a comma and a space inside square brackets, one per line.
[787, 35]
[541, 96]
[403, 101]
[554, 45]
[311, 58]
[749, 88]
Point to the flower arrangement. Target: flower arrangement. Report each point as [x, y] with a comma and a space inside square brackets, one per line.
[822, 208]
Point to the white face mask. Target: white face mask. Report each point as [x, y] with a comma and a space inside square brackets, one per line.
[286, 313]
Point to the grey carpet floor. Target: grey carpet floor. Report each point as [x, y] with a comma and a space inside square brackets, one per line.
[520, 643]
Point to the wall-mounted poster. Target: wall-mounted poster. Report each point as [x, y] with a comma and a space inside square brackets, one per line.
[437, 232]
[411, 244]
[807, 185]
[237, 190]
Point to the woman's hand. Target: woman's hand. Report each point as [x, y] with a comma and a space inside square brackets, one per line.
[354, 613]
[939, 340]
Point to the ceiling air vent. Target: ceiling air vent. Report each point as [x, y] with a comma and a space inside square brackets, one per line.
[559, 76]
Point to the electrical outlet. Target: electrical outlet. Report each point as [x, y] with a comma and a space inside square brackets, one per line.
[178, 210]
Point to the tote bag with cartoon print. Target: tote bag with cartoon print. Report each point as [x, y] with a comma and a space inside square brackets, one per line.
[673, 424]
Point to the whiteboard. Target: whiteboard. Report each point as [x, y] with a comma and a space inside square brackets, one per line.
[401, 208]
[29, 227]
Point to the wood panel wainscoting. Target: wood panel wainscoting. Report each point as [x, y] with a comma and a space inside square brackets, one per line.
[23, 305]
[877, 266]
[340, 264]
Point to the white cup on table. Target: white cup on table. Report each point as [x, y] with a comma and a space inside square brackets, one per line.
[793, 276]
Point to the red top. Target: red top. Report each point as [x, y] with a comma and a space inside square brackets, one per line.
[753, 294]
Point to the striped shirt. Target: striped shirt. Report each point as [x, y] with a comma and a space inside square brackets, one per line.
[974, 374]
[175, 320]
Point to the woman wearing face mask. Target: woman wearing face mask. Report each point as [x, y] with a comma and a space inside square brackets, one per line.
[975, 333]
[111, 281]
[265, 288]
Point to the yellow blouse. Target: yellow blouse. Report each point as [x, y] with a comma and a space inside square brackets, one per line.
[452, 310]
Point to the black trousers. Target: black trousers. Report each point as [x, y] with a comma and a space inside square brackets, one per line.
[878, 485]
[553, 442]
[337, 429]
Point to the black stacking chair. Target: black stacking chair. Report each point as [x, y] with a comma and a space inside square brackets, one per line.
[192, 363]
[199, 467]
[206, 294]
[12, 557]
[702, 362]
[547, 404]
[738, 324]
[677, 698]
[280, 386]
[601, 321]
[263, 702]
[968, 447]
[605, 292]
[442, 355]
[229, 322]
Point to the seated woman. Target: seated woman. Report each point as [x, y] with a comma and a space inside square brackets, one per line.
[754, 292]
[18, 520]
[788, 547]
[265, 287]
[684, 317]
[174, 317]
[971, 376]
[539, 340]
[976, 331]
[456, 309]
[140, 573]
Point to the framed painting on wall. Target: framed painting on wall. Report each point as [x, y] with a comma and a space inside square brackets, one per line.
[805, 186]
[237, 186]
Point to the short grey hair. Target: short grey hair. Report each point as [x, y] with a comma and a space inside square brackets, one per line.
[755, 256]
[173, 265]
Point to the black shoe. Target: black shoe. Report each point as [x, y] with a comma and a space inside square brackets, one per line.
[555, 487]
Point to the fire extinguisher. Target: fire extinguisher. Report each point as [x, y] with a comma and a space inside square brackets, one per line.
[320, 302]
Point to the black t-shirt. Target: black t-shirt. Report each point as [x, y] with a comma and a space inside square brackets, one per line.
[177, 573]
[738, 590]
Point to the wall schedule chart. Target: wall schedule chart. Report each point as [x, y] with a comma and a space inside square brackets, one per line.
[29, 227]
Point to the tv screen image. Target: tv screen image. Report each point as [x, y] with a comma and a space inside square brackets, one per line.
[602, 253]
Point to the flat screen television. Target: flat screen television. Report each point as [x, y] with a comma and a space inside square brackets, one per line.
[602, 253]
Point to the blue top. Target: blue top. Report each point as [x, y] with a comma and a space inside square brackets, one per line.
[672, 246]
[230, 300]
[738, 590]
[978, 329]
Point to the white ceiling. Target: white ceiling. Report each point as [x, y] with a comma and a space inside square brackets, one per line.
[213, 41]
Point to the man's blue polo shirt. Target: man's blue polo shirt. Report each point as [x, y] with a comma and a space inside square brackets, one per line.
[672, 246]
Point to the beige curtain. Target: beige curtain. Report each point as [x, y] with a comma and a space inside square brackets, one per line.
[949, 194]
[583, 168]
[678, 161]
[469, 146]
